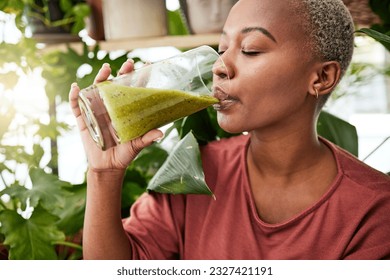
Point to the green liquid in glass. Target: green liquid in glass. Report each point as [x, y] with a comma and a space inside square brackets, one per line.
[134, 111]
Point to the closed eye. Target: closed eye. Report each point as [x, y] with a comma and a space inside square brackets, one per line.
[250, 53]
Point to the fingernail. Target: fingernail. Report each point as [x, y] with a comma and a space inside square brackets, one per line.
[130, 60]
[106, 64]
[159, 136]
[73, 85]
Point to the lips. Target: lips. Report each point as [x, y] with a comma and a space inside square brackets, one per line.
[225, 100]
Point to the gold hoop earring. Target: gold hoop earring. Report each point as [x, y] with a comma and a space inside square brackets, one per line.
[316, 91]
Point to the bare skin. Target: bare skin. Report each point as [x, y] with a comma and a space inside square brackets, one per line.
[103, 234]
[274, 81]
[273, 95]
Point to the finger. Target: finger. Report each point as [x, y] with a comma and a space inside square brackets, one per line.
[103, 73]
[144, 75]
[146, 140]
[128, 151]
[151, 136]
[73, 99]
[126, 67]
[74, 105]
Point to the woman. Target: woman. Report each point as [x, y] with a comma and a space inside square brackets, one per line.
[282, 192]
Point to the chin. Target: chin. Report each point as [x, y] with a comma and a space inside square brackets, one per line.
[228, 125]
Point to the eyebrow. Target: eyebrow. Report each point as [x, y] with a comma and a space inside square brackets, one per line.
[259, 29]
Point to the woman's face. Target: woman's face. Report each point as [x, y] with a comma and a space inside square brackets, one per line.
[269, 66]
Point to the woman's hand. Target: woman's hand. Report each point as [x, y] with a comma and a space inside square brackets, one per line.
[120, 156]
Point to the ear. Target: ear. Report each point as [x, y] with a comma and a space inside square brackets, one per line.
[325, 79]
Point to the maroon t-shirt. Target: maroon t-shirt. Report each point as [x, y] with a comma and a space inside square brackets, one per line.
[350, 221]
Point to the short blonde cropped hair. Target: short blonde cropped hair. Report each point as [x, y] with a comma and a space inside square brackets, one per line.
[330, 29]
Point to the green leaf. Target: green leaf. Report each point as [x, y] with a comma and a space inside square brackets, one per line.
[182, 172]
[72, 214]
[380, 37]
[338, 131]
[30, 239]
[47, 190]
[203, 125]
[24, 54]
[150, 160]
[18, 194]
[4, 167]
[81, 11]
[65, 5]
[176, 23]
[19, 154]
[16, 153]
[12, 6]
[51, 130]
[200, 125]
[130, 193]
[38, 153]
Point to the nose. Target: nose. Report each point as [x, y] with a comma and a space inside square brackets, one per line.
[222, 75]
[222, 70]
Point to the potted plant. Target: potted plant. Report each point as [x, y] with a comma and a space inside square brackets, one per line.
[49, 20]
[206, 16]
[134, 19]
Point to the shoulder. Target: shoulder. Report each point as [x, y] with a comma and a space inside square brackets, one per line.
[360, 204]
[360, 177]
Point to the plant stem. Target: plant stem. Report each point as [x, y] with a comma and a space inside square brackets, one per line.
[5, 186]
[2, 179]
[69, 244]
[53, 142]
[2, 204]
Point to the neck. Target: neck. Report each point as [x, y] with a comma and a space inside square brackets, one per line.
[286, 155]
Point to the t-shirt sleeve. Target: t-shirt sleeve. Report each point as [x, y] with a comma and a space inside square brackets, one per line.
[155, 226]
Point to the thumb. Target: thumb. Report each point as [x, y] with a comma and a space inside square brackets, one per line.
[151, 136]
[147, 139]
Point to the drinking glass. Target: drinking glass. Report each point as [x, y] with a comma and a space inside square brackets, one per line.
[126, 107]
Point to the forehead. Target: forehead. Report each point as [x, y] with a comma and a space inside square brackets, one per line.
[281, 18]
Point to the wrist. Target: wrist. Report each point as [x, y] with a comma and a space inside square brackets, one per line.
[110, 176]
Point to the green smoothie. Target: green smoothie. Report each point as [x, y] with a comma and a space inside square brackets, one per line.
[134, 111]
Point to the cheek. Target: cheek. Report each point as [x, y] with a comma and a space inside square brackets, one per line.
[275, 83]
[267, 93]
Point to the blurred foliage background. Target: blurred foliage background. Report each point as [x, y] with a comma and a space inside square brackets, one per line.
[41, 216]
